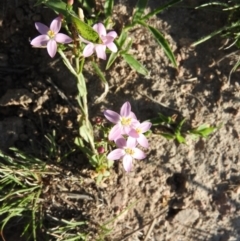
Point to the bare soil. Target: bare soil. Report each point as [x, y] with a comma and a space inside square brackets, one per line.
[179, 192]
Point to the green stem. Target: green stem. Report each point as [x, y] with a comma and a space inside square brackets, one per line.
[82, 94]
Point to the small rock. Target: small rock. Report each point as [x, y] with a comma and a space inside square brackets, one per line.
[187, 216]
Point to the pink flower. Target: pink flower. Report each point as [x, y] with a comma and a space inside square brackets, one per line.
[127, 151]
[123, 122]
[107, 41]
[137, 133]
[50, 36]
[70, 2]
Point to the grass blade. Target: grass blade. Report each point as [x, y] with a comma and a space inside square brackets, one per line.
[141, 5]
[108, 7]
[212, 4]
[160, 9]
[164, 44]
[103, 79]
[134, 64]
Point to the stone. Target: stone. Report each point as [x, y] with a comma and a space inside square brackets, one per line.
[187, 216]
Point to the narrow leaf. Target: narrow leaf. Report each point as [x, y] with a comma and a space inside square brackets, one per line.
[134, 64]
[180, 139]
[167, 136]
[57, 5]
[141, 5]
[212, 4]
[121, 40]
[83, 131]
[89, 5]
[208, 37]
[111, 60]
[164, 44]
[108, 7]
[160, 9]
[103, 79]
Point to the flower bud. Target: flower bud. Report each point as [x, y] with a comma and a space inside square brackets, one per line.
[70, 2]
[98, 120]
[100, 149]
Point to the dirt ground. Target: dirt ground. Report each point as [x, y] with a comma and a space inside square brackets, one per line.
[179, 192]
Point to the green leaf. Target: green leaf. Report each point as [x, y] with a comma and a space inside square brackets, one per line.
[99, 73]
[164, 44]
[160, 9]
[141, 5]
[108, 7]
[83, 131]
[81, 88]
[179, 127]
[180, 139]
[134, 64]
[206, 132]
[121, 40]
[99, 178]
[166, 119]
[212, 4]
[103, 79]
[208, 37]
[168, 136]
[221, 30]
[111, 60]
[57, 5]
[89, 5]
[85, 30]
[203, 130]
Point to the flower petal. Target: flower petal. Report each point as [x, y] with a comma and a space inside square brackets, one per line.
[112, 34]
[115, 133]
[107, 40]
[127, 163]
[121, 142]
[41, 40]
[133, 133]
[52, 47]
[125, 109]
[100, 29]
[142, 140]
[56, 25]
[138, 154]
[145, 126]
[112, 46]
[131, 142]
[41, 28]
[63, 38]
[112, 116]
[126, 130]
[116, 154]
[100, 50]
[133, 116]
[88, 50]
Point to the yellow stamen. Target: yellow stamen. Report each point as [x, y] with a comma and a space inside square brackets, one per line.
[51, 34]
[126, 121]
[129, 151]
[138, 130]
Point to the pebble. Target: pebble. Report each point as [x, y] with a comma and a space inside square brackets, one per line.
[187, 216]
